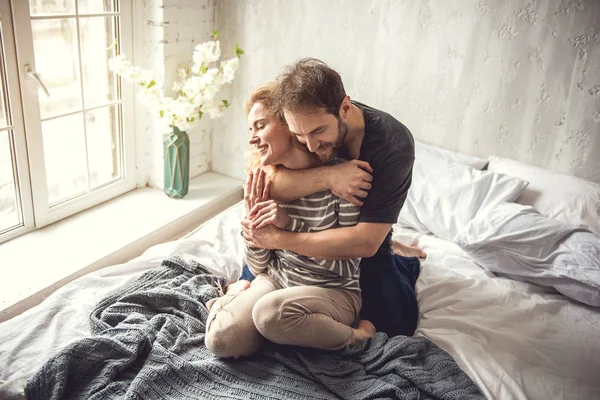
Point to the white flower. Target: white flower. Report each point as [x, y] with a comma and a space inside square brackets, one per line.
[176, 86]
[206, 52]
[121, 66]
[229, 67]
[116, 60]
[209, 93]
[133, 74]
[208, 78]
[181, 109]
[212, 109]
[192, 86]
[118, 64]
[147, 76]
[182, 72]
[202, 88]
[195, 91]
[150, 97]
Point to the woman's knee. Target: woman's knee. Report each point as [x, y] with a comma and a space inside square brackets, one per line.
[266, 315]
[235, 343]
[275, 317]
[218, 343]
[231, 337]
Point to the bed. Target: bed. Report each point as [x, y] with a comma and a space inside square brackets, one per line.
[514, 339]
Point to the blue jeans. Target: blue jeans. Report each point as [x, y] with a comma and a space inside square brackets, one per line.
[388, 293]
[246, 274]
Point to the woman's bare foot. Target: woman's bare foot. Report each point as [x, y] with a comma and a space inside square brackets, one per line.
[363, 331]
[407, 251]
[237, 287]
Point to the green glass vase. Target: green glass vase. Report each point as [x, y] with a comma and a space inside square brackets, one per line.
[177, 163]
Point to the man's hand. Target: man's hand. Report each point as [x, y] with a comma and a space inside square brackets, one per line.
[268, 212]
[256, 189]
[264, 238]
[350, 180]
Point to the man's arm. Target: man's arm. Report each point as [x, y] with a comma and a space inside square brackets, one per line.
[339, 266]
[362, 240]
[346, 180]
[291, 184]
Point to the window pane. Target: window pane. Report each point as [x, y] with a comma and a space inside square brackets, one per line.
[95, 6]
[97, 34]
[51, 7]
[3, 121]
[57, 62]
[3, 82]
[9, 212]
[104, 143]
[64, 152]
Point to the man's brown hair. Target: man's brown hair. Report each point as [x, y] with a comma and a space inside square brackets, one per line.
[309, 84]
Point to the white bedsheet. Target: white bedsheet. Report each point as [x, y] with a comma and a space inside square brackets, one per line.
[515, 340]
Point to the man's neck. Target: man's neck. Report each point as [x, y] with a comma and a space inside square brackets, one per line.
[356, 131]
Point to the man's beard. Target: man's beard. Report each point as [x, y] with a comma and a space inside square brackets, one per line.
[327, 152]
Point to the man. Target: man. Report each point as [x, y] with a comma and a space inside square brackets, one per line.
[381, 149]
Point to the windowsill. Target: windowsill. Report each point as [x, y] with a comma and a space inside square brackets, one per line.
[38, 263]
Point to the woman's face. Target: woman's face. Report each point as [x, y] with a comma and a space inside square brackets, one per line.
[270, 137]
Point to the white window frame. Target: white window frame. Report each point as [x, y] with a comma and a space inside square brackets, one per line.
[14, 118]
[45, 214]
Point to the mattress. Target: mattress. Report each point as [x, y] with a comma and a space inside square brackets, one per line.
[515, 340]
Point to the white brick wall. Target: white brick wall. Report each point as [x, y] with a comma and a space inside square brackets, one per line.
[450, 70]
[168, 33]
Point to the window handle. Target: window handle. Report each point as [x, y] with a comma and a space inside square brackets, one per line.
[32, 74]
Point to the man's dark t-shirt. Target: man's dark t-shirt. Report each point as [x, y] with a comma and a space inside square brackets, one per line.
[388, 146]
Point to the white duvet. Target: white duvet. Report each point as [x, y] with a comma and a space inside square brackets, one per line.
[515, 340]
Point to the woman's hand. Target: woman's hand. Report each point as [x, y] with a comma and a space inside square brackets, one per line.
[268, 212]
[256, 189]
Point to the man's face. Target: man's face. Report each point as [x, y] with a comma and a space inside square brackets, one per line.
[321, 132]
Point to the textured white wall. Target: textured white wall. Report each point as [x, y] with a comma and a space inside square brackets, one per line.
[518, 79]
[169, 32]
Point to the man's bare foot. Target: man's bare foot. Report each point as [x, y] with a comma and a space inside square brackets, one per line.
[363, 331]
[407, 251]
[237, 287]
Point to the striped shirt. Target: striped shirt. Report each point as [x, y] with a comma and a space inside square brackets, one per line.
[314, 213]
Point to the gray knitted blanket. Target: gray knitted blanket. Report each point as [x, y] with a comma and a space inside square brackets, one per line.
[148, 343]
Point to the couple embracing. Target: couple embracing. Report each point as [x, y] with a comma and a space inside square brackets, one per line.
[328, 178]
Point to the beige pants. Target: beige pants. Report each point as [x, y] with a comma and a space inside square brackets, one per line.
[307, 316]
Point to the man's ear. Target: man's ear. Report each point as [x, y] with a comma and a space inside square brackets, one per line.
[345, 107]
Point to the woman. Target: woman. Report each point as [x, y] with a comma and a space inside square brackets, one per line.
[294, 299]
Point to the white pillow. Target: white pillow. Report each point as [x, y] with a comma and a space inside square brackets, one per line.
[516, 241]
[445, 196]
[563, 197]
[472, 161]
